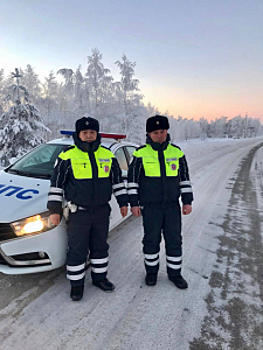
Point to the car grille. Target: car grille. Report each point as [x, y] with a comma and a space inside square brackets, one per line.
[6, 232]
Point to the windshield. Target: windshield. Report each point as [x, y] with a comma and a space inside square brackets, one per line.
[38, 163]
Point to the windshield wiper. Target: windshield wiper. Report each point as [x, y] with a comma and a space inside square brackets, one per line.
[22, 173]
[14, 171]
[41, 176]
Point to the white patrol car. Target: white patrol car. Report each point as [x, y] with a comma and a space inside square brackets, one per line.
[29, 243]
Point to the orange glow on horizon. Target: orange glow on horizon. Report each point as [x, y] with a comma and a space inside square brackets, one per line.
[195, 106]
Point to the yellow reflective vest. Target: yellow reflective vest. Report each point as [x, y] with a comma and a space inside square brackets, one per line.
[86, 179]
[81, 164]
[151, 163]
[158, 176]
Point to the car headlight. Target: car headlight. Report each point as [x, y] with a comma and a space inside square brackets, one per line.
[32, 225]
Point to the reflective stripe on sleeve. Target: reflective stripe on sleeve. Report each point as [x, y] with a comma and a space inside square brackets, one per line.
[132, 184]
[55, 190]
[132, 191]
[118, 193]
[118, 185]
[186, 190]
[182, 183]
[54, 197]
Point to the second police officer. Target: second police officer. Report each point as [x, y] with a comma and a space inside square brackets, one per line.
[86, 174]
[158, 176]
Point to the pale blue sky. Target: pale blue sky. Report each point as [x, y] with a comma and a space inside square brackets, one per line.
[194, 57]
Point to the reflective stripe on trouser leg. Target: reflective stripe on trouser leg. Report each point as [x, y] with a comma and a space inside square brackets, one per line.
[99, 257]
[173, 239]
[78, 246]
[99, 266]
[76, 273]
[151, 262]
[152, 223]
[174, 265]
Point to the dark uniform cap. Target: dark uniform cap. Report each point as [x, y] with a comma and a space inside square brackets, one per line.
[157, 122]
[86, 123]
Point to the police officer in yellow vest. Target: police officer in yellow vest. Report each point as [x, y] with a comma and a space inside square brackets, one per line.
[157, 177]
[86, 174]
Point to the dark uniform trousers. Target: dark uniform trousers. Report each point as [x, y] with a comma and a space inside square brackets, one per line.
[163, 218]
[87, 234]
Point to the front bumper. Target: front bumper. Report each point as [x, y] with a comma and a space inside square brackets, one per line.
[37, 253]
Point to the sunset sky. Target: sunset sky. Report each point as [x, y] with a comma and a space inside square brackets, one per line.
[194, 58]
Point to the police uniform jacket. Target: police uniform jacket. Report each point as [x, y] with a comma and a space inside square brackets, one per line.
[159, 174]
[86, 174]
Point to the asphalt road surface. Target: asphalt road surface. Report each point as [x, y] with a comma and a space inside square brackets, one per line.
[223, 264]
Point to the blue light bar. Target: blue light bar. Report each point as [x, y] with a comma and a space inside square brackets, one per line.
[67, 132]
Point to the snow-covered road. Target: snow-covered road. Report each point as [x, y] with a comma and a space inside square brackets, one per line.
[223, 307]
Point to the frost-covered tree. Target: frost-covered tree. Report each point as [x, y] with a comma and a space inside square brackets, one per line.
[80, 82]
[76, 90]
[17, 91]
[128, 88]
[219, 126]
[67, 88]
[49, 104]
[68, 75]
[128, 84]
[21, 127]
[204, 128]
[177, 128]
[50, 94]
[31, 82]
[5, 90]
[98, 78]
[255, 128]
[239, 127]
[2, 79]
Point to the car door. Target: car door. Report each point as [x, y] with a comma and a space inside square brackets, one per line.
[129, 152]
[123, 157]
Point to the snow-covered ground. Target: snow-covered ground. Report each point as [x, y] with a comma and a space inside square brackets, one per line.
[223, 307]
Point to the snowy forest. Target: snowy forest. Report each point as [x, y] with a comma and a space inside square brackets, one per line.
[33, 111]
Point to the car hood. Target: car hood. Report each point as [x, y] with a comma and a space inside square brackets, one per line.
[21, 196]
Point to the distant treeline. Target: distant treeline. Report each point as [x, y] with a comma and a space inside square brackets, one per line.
[116, 104]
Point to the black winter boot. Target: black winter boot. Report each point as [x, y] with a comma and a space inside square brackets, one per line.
[76, 293]
[151, 279]
[179, 281]
[104, 285]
